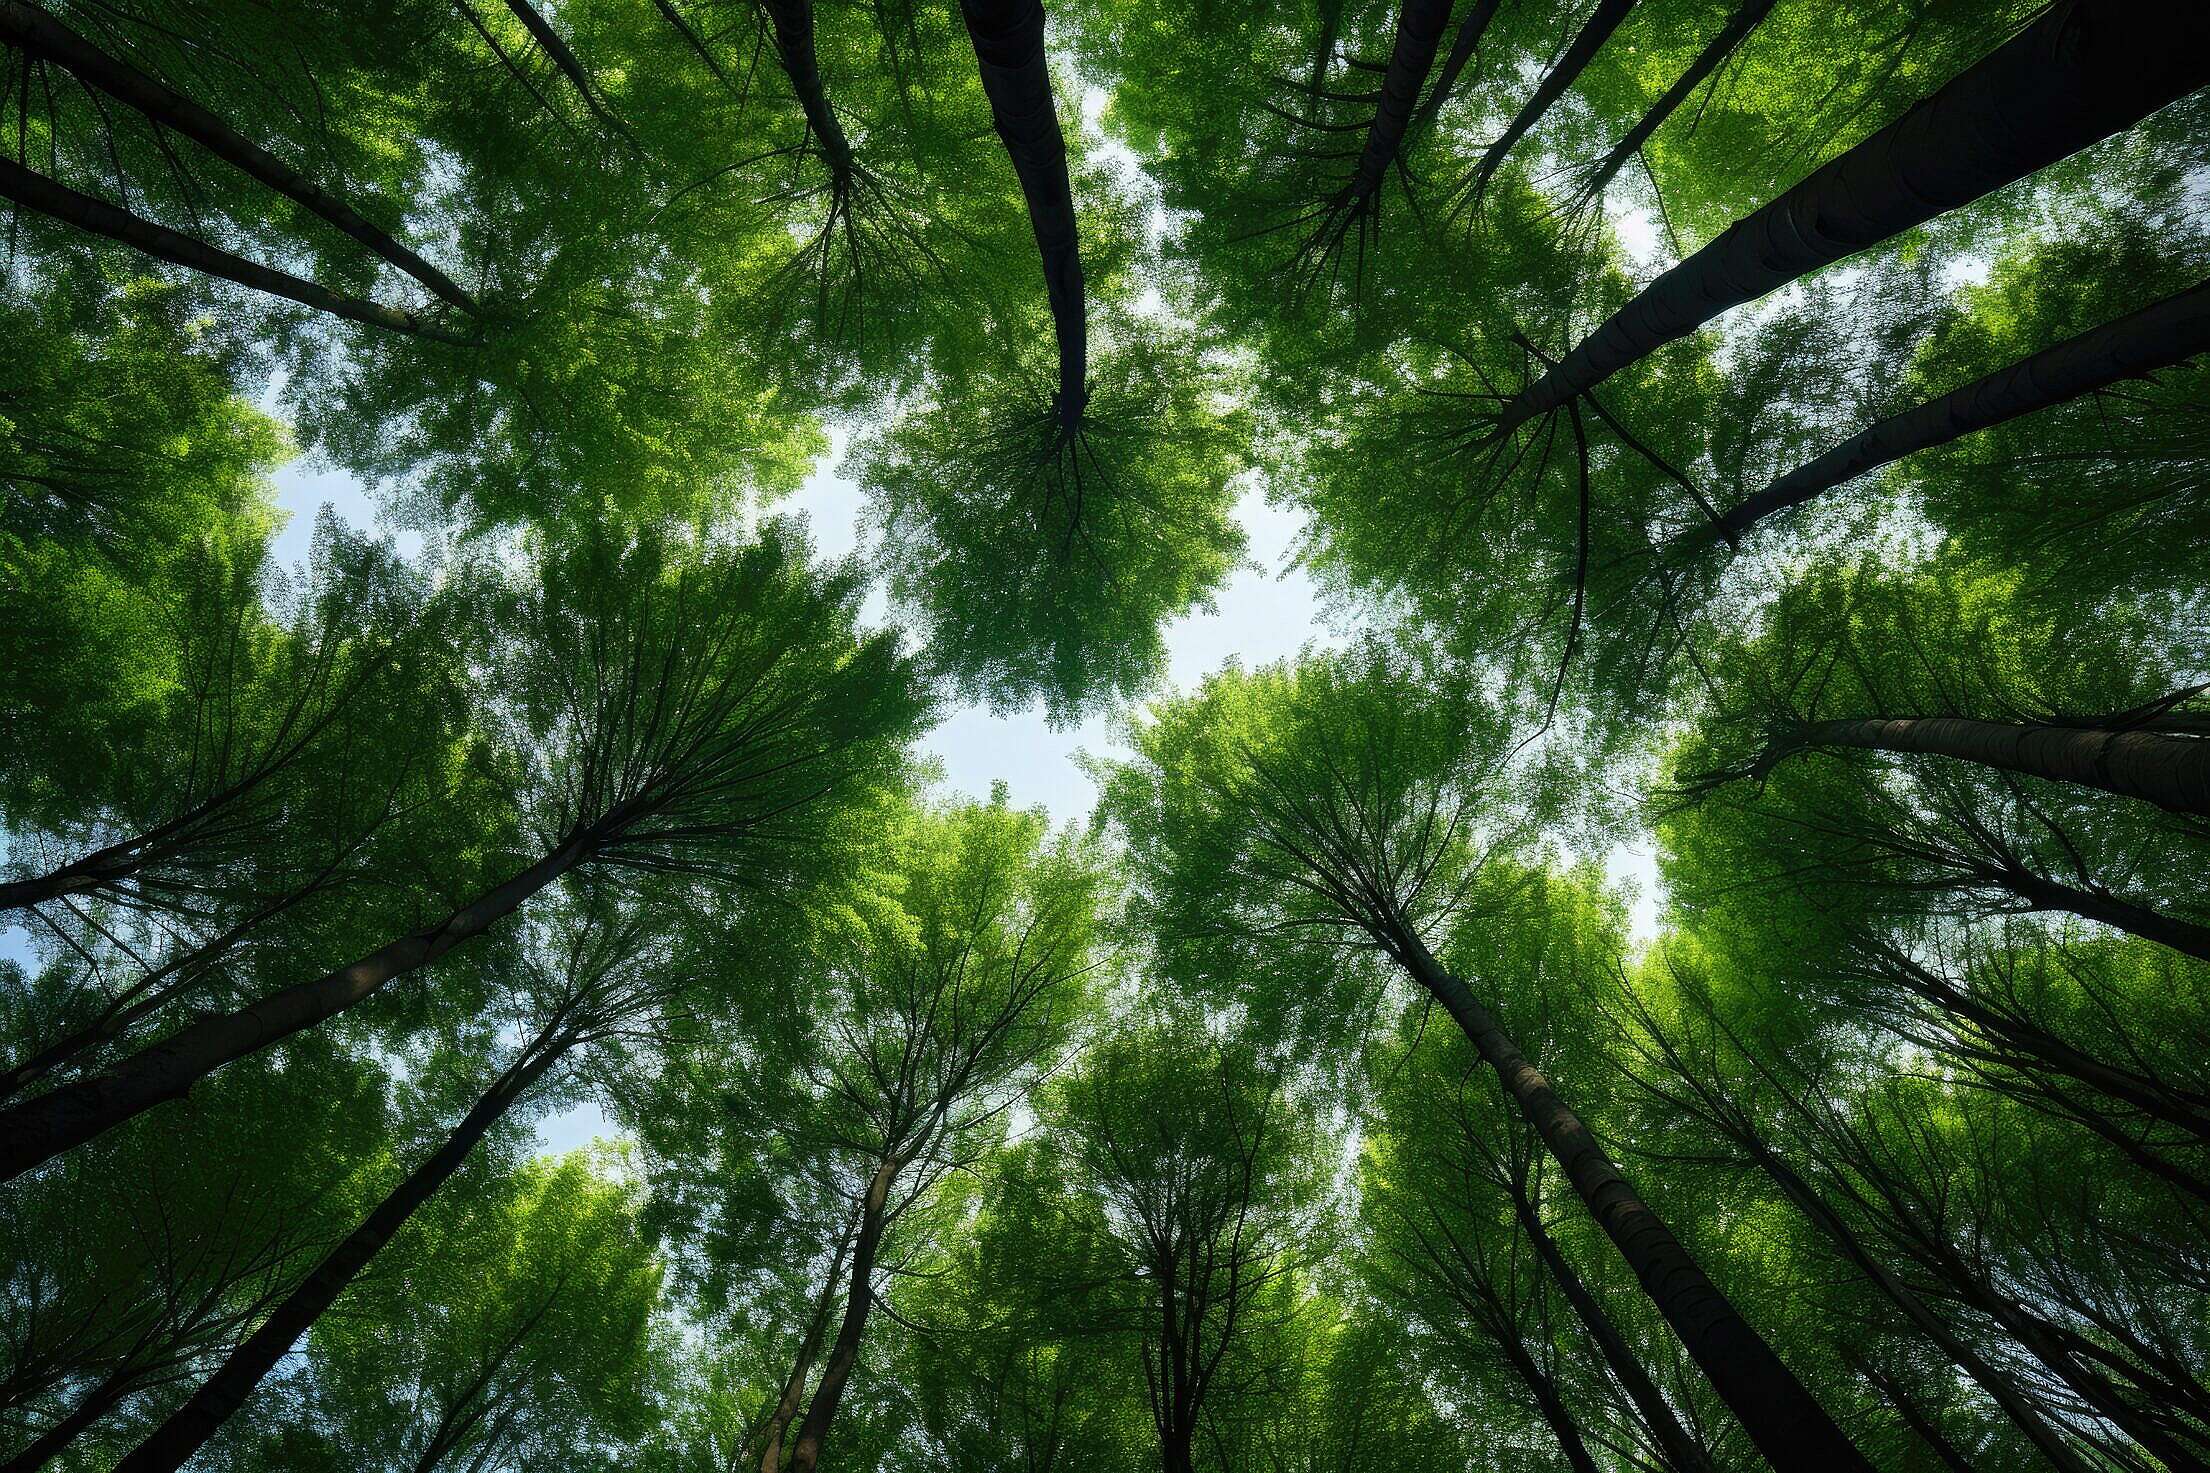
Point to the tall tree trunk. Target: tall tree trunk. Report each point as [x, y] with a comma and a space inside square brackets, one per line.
[189, 1427]
[1008, 37]
[2043, 893]
[1746, 18]
[1806, 1200]
[2084, 70]
[2170, 769]
[1554, 85]
[2161, 335]
[97, 217]
[37, 33]
[1419, 35]
[550, 42]
[1463, 46]
[1681, 1451]
[39, 1129]
[809, 1346]
[1555, 1415]
[805, 1456]
[794, 47]
[1782, 1418]
[93, 1405]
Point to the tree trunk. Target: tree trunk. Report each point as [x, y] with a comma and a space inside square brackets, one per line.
[1746, 18]
[1682, 1452]
[809, 1346]
[37, 33]
[39, 1129]
[38, 193]
[549, 41]
[2159, 336]
[1929, 1431]
[805, 1456]
[1806, 1200]
[1554, 84]
[1419, 35]
[1462, 49]
[2120, 915]
[1782, 1418]
[1547, 1401]
[94, 1404]
[1008, 37]
[794, 47]
[2084, 70]
[189, 1427]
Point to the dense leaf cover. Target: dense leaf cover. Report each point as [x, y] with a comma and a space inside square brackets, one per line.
[1770, 437]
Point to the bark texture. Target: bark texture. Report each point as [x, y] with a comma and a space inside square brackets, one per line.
[1782, 1418]
[191, 1425]
[2159, 336]
[2084, 70]
[39, 1129]
[1419, 35]
[1008, 37]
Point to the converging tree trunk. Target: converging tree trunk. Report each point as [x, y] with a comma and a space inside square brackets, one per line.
[37, 33]
[1554, 85]
[792, 21]
[2168, 768]
[1008, 37]
[2084, 70]
[1784, 1420]
[1463, 48]
[805, 1454]
[110, 1393]
[2039, 892]
[1419, 35]
[191, 1425]
[1746, 18]
[57, 201]
[1681, 1451]
[2159, 336]
[809, 1346]
[41, 1128]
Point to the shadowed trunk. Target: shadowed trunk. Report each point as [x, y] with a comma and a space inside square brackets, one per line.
[192, 1424]
[45, 196]
[39, 34]
[794, 47]
[805, 1456]
[2159, 336]
[2042, 893]
[1554, 85]
[550, 42]
[2169, 769]
[1008, 37]
[1681, 1451]
[1784, 1420]
[95, 1404]
[809, 1346]
[1463, 47]
[1746, 18]
[1544, 1388]
[1914, 1416]
[39, 1129]
[1419, 35]
[2084, 70]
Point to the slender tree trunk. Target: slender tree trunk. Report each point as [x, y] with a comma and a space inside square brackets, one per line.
[1554, 85]
[1681, 1451]
[1555, 1415]
[794, 1387]
[1746, 18]
[1008, 37]
[794, 47]
[551, 43]
[1915, 1416]
[2169, 769]
[92, 1406]
[39, 1129]
[1806, 1200]
[1419, 34]
[1784, 1420]
[2084, 70]
[97, 217]
[805, 1456]
[1463, 46]
[2120, 915]
[192, 1424]
[2159, 336]
[37, 33]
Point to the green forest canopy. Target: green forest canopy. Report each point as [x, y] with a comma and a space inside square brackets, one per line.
[1775, 433]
